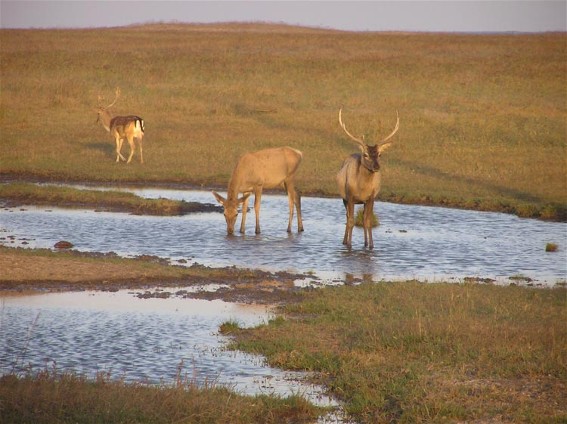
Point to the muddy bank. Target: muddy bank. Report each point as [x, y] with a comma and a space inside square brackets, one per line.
[43, 270]
[552, 211]
[21, 194]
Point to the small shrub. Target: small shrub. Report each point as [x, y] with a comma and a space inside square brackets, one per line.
[551, 247]
[359, 218]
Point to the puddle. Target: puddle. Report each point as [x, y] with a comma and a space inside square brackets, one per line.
[151, 340]
[426, 243]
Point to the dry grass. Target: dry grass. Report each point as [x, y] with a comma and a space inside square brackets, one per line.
[414, 352]
[50, 396]
[483, 117]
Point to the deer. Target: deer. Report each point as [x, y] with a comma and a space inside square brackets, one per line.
[359, 181]
[122, 128]
[264, 169]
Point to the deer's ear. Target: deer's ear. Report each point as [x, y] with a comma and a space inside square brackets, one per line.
[383, 147]
[219, 198]
[244, 198]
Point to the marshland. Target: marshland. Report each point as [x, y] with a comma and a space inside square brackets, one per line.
[482, 128]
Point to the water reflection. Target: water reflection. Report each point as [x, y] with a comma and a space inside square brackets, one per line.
[150, 340]
[411, 242]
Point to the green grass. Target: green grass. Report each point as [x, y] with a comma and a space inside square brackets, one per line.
[483, 117]
[418, 352]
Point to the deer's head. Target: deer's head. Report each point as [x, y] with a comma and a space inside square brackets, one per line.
[230, 209]
[103, 115]
[370, 154]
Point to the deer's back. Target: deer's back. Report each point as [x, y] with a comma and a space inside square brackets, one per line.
[268, 167]
[124, 125]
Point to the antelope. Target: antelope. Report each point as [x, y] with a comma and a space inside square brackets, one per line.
[122, 128]
[359, 181]
[269, 168]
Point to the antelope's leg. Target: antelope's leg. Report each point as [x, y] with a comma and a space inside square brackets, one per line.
[132, 148]
[257, 200]
[244, 212]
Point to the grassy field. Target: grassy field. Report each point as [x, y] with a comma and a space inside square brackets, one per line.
[483, 117]
[414, 352]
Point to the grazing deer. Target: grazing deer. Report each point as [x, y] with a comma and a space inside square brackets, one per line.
[359, 182]
[267, 168]
[122, 128]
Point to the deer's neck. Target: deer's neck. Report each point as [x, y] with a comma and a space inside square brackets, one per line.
[105, 118]
[239, 183]
[233, 189]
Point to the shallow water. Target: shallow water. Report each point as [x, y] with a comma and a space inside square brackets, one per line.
[151, 340]
[427, 243]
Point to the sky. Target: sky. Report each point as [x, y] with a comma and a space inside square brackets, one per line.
[404, 15]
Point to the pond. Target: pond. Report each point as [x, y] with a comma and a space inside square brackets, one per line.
[157, 340]
[149, 340]
[425, 243]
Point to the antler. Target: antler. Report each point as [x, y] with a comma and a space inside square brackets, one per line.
[358, 140]
[393, 132]
[116, 95]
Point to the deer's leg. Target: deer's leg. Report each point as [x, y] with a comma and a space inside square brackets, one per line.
[257, 200]
[367, 222]
[118, 148]
[141, 153]
[298, 207]
[132, 148]
[349, 205]
[294, 199]
[244, 212]
[290, 201]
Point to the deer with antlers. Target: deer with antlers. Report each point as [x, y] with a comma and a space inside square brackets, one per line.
[269, 168]
[359, 182]
[122, 128]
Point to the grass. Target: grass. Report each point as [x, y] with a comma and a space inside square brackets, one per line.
[414, 352]
[50, 396]
[25, 194]
[483, 117]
